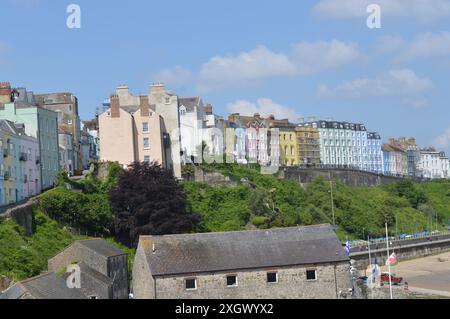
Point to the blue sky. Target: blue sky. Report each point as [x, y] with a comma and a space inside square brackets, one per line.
[292, 58]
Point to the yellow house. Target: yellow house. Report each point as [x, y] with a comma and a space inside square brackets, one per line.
[288, 147]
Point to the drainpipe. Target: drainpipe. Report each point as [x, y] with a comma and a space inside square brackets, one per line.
[335, 282]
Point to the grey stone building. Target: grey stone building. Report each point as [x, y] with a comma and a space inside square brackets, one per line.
[295, 263]
[44, 286]
[104, 268]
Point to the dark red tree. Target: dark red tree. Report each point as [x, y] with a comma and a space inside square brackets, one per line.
[149, 201]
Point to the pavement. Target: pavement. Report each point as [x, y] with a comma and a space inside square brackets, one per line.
[429, 275]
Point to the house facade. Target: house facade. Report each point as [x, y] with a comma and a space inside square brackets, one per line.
[39, 123]
[20, 172]
[308, 141]
[134, 129]
[144, 128]
[298, 262]
[65, 105]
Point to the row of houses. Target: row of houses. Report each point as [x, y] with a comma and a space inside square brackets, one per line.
[40, 135]
[171, 130]
[285, 263]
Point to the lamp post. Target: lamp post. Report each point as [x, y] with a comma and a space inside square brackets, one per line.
[332, 199]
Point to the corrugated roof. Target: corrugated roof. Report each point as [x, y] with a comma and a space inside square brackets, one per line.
[102, 247]
[196, 253]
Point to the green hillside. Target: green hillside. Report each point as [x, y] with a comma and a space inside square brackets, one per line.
[266, 201]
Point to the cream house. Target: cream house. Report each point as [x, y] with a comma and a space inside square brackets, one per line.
[131, 132]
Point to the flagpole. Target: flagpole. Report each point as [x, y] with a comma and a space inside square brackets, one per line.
[389, 264]
[370, 264]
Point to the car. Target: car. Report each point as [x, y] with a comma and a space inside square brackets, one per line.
[384, 278]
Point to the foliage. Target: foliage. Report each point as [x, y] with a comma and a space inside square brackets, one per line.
[22, 257]
[266, 201]
[149, 201]
[90, 212]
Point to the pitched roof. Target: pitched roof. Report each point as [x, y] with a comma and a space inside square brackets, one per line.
[45, 286]
[102, 247]
[190, 103]
[196, 253]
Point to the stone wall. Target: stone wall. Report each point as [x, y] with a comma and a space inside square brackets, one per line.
[210, 178]
[349, 177]
[23, 215]
[252, 284]
[405, 252]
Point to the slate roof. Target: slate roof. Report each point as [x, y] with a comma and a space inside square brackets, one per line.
[190, 103]
[45, 286]
[102, 247]
[211, 252]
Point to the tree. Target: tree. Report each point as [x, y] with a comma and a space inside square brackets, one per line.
[149, 201]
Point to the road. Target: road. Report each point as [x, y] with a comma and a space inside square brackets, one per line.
[431, 273]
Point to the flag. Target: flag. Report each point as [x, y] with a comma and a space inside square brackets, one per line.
[375, 269]
[392, 260]
[347, 248]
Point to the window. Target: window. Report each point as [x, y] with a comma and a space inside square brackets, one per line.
[311, 275]
[69, 122]
[167, 100]
[147, 159]
[232, 281]
[191, 284]
[146, 143]
[145, 127]
[272, 277]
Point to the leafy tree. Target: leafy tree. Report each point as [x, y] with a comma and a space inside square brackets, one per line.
[149, 201]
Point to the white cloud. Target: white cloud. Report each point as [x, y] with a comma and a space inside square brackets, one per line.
[261, 63]
[265, 107]
[390, 43]
[313, 57]
[393, 83]
[443, 140]
[427, 45]
[424, 11]
[255, 65]
[174, 76]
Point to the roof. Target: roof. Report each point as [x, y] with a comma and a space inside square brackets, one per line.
[54, 98]
[45, 286]
[102, 247]
[92, 273]
[190, 103]
[211, 252]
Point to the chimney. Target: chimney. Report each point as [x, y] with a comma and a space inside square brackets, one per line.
[208, 109]
[5, 92]
[144, 106]
[157, 88]
[115, 106]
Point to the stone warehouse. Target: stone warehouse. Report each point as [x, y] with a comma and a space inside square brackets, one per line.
[298, 262]
[104, 268]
